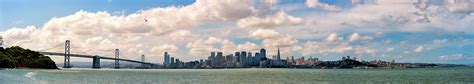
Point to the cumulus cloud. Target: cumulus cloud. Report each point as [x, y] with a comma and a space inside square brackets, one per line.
[248, 46]
[286, 43]
[170, 48]
[357, 36]
[389, 49]
[130, 33]
[317, 4]
[418, 49]
[393, 15]
[270, 2]
[180, 35]
[460, 6]
[174, 29]
[264, 33]
[332, 37]
[279, 19]
[227, 47]
[203, 46]
[354, 37]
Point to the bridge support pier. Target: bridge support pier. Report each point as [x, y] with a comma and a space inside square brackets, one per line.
[117, 61]
[96, 62]
[67, 62]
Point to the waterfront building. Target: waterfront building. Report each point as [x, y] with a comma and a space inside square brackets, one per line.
[293, 60]
[249, 54]
[219, 59]
[263, 54]
[243, 57]
[172, 61]
[237, 55]
[166, 59]
[177, 63]
[249, 59]
[213, 54]
[229, 60]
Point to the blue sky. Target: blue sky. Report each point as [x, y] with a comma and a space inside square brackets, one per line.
[404, 30]
[21, 13]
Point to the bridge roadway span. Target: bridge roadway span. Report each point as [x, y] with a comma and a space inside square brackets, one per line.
[92, 56]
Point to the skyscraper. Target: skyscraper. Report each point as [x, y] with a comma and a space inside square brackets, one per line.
[166, 60]
[278, 54]
[219, 54]
[177, 62]
[237, 55]
[249, 54]
[172, 61]
[219, 59]
[263, 54]
[213, 54]
[249, 58]
[243, 57]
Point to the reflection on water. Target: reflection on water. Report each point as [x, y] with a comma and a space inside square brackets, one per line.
[253, 75]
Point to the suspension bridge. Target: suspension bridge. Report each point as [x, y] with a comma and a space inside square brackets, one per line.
[96, 58]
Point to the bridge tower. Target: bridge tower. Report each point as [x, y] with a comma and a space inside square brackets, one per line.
[143, 60]
[67, 52]
[96, 62]
[117, 54]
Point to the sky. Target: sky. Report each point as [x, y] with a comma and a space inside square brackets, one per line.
[428, 31]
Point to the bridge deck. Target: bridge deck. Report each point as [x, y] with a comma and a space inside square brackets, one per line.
[91, 56]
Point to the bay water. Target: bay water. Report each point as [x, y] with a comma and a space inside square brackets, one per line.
[456, 75]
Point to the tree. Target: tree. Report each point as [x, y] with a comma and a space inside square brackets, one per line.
[17, 57]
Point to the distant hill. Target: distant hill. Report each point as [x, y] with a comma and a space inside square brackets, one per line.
[17, 57]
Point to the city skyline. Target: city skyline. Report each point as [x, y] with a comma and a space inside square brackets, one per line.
[425, 31]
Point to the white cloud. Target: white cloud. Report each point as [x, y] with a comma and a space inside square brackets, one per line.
[310, 48]
[248, 46]
[264, 33]
[227, 47]
[418, 49]
[196, 29]
[357, 36]
[460, 6]
[159, 50]
[354, 37]
[317, 4]
[456, 57]
[389, 49]
[180, 35]
[202, 47]
[391, 16]
[279, 19]
[130, 33]
[270, 2]
[332, 37]
[440, 41]
[19, 33]
[286, 43]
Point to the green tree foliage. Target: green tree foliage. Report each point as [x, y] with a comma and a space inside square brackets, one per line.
[17, 57]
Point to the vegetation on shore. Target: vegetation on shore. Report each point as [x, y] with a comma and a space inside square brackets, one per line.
[17, 57]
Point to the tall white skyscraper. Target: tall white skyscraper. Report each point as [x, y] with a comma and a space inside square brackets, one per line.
[166, 60]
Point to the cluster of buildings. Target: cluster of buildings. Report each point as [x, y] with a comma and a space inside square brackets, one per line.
[244, 59]
[236, 60]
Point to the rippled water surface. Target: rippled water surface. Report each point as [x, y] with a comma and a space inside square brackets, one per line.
[239, 76]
